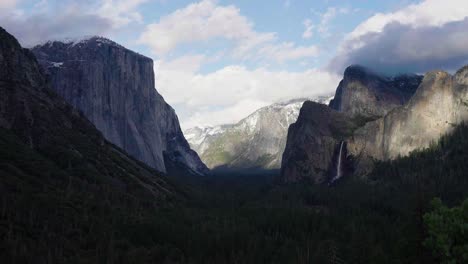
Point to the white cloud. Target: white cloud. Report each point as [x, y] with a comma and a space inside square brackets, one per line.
[206, 20]
[325, 20]
[419, 37]
[121, 12]
[188, 63]
[228, 115]
[287, 51]
[433, 13]
[229, 94]
[308, 32]
[426, 13]
[68, 18]
[327, 17]
[71, 21]
[200, 22]
[7, 4]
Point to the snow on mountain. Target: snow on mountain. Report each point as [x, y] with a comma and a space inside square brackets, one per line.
[255, 141]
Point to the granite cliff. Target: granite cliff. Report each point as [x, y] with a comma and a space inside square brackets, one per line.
[439, 104]
[115, 89]
[313, 143]
[368, 95]
[47, 144]
[385, 118]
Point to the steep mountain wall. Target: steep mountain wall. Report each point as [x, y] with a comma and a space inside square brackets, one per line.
[313, 143]
[115, 89]
[365, 94]
[439, 104]
[69, 147]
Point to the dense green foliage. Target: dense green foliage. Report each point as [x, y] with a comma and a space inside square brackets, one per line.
[56, 207]
[231, 218]
[448, 232]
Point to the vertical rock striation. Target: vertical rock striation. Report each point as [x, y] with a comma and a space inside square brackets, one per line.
[69, 145]
[115, 89]
[439, 104]
[365, 94]
[409, 121]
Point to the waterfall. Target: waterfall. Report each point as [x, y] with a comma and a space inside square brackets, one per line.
[338, 165]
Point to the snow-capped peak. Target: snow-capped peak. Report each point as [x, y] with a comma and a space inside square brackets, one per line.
[76, 41]
[284, 113]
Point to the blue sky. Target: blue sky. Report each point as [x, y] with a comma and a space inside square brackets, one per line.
[216, 61]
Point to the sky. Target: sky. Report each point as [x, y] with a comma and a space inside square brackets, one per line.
[216, 61]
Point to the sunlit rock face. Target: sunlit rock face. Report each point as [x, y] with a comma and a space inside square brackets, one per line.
[439, 104]
[365, 94]
[115, 89]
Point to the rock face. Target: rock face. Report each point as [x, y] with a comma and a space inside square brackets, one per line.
[114, 88]
[439, 104]
[257, 141]
[365, 94]
[313, 144]
[33, 115]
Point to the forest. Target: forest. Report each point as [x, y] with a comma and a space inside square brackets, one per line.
[409, 210]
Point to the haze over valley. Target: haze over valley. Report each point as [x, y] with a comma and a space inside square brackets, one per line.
[212, 131]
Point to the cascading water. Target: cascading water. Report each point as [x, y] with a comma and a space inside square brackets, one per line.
[338, 165]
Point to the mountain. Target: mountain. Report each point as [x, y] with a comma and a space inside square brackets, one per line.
[438, 104]
[256, 141]
[115, 89]
[62, 184]
[314, 142]
[366, 94]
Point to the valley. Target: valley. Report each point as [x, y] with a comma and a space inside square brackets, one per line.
[96, 168]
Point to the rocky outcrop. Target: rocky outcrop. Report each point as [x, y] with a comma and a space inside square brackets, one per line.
[313, 144]
[439, 104]
[69, 146]
[257, 141]
[365, 94]
[115, 89]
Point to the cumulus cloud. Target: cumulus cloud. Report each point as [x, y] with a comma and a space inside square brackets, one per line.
[68, 18]
[423, 14]
[37, 28]
[229, 94]
[121, 12]
[403, 48]
[420, 37]
[200, 21]
[207, 20]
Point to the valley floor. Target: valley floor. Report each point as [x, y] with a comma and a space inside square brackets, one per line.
[233, 218]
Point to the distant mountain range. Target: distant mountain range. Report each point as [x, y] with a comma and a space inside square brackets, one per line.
[256, 141]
